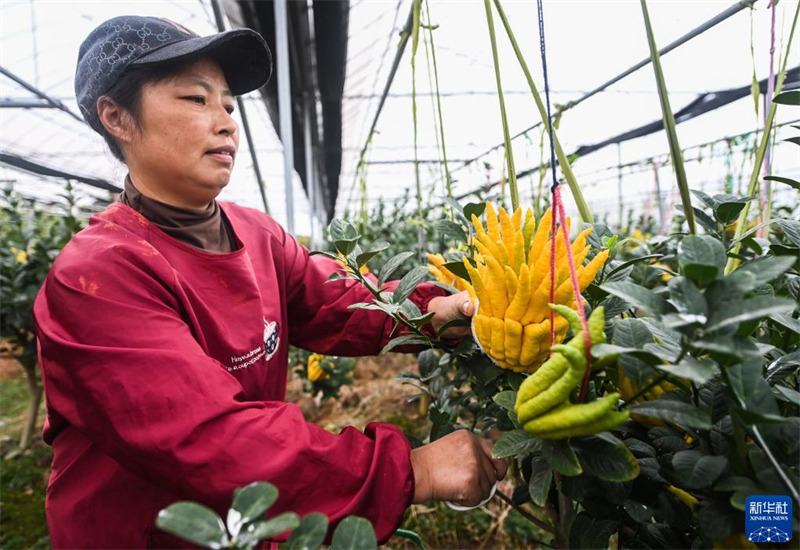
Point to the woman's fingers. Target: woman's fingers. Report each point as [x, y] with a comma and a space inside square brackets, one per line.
[458, 468]
[451, 308]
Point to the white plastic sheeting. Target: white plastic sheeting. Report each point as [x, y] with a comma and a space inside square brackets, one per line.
[588, 41]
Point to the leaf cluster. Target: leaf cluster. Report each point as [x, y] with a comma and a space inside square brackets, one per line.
[247, 525]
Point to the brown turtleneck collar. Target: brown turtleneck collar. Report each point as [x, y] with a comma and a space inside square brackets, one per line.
[207, 229]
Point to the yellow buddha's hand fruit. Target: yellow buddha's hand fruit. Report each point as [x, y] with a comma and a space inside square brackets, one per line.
[444, 275]
[314, 371]
[511, 282]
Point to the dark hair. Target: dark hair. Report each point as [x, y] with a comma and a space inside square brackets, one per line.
[127, 93]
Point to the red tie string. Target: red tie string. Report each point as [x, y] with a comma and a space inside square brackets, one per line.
[559, 217]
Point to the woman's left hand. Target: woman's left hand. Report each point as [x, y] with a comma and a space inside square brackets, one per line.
[450, 308]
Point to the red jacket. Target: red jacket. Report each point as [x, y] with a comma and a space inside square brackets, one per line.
[165, 369]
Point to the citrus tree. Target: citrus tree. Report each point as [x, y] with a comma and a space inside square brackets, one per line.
[30, 239]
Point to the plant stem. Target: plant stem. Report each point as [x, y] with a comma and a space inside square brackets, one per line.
[774, 462]
[669, 124]
[512, 172]
[414, 45]
[563, 161]
[527, 515]
[439, 103]
[752, 188]
[767, 192]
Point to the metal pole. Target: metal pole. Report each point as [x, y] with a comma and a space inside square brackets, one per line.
[53, 102]
[619, 185]
[311, 180]
[285, 105]
[220, 19]
[404, 36]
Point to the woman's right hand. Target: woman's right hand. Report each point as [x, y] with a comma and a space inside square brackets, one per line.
[458, 468]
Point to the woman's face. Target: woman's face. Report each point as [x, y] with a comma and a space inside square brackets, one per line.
[183, 150]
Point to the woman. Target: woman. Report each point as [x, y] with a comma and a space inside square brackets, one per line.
[164, 326]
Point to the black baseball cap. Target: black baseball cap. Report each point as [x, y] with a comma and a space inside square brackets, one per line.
[130, 41]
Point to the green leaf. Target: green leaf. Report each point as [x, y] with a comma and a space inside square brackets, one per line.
[354, 533]
[589, 533]
[698, 371]
[336, 276]
[783, 367]
[677, 412]
[758, 307]
[638, 296]
[516, 442]
[450, 230]
[729, 208]
[458, 269]
[792, 230]
[710, 202]
[665, 440]
[376, 249]
[606, 457]
[702, 218]
[632, 333]
[405, 340]
[260, 530]
[788, 181]
[790, 395]
[701, 258]
[561, 457]
[250, 503]
[750, 387]
[408, 283]
[474, 208]
[449, 324]
[717, 520]
[346, 246]
[310, 534]
[609, 351]
[637, 511]
[344, 235]
[506, 399]
[340, 229]
[193, 522]
[697, 471]
[787, 321]
[409, 309]
[788, 97]
[541, 479]
[732, 346]
[391, 266]
[755, 273]
[686, 297]
[749, 418]
[634, 261]
[793, 139]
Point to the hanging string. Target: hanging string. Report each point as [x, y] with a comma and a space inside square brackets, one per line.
[559, 218]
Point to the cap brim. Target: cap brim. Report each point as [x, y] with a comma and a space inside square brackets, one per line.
[242, 54]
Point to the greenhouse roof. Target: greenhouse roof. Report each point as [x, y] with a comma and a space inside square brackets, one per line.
[588, 42]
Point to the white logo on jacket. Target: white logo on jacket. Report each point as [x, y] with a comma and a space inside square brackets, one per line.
[271, 337]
